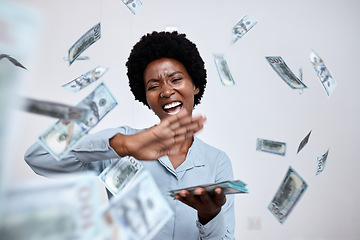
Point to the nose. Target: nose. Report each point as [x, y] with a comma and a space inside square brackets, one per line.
[166, 91]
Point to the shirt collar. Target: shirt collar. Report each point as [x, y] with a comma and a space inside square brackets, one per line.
[193, 159]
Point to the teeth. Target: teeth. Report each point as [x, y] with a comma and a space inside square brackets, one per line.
[171, 105]
[173, 113]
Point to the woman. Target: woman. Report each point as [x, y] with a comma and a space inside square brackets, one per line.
[167, 74]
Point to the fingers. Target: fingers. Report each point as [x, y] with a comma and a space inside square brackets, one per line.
[220, 197]
[201, 200]
[183, 127]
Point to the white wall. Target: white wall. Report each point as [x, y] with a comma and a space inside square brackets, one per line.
[260, 105]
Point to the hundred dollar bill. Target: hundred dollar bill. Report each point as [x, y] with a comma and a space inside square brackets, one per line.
[133, 5]
[56, 110]
[323, 73]
[119, 173]
[84, 42]
[140, 207]
[61, 137]
[55, 209]
[223, 70]
[321, 161]
[242, 27]
[108, 228]
[85, 79]
[228, 187]
[271, 146]
[279, 65]
[304, 142]
[289, 193]
[12, 60]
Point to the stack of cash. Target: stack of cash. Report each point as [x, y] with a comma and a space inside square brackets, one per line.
[228, 187]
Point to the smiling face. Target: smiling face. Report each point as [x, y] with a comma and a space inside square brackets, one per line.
[169, 88]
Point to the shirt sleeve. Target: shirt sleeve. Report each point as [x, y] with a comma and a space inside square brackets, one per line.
[223, 225]
[93, 153]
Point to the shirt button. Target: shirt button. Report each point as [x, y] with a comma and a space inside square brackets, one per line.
[91, 146]
[103, 145]
[78, 146]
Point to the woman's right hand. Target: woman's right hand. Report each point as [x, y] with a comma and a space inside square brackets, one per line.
[162, 139]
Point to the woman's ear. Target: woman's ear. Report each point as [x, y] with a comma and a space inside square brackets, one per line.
[196, 90]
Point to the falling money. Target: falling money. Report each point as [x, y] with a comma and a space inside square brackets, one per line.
[289, 193]
[119, 173]
[61, 137]
[12, 60]
[270, 146]
[51, 209]
[321, 161]
[242, 27]
[223, 70]
[323, 73]
[56, 110]
[85, 79]
[140, 208]
[84, 42]
[278, 64]
[133, 5]
[304, 142]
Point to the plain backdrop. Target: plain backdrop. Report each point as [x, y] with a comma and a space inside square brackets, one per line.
[260, 105]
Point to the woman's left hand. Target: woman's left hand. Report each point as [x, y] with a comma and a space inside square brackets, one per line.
[207, 206]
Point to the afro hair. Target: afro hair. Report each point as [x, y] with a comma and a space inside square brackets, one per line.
[156, 45]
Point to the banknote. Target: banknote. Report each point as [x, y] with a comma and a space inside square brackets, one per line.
[56, 110]
[54, 209]
[242, 27]
[90, 37]
[61, 137]
[119, 173]
[133, 5]
[289, 193]
[140, 207]
[304, 142]
[223, 70]
[323, 73]
[228, 187]
[107, 228]
[321, 161]
[270, 146]
[279, 65]
[12, 60]
[85, 79]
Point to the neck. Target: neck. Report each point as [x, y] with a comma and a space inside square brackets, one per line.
[178, 158]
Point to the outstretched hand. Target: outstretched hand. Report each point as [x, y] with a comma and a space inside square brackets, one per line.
[159, 140]
[208, 206]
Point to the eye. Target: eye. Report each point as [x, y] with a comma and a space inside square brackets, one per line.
[152, 87]
[175, 80]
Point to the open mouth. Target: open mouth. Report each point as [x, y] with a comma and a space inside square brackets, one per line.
[173, 108]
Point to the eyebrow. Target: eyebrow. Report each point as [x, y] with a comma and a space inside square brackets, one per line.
[169, 75]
